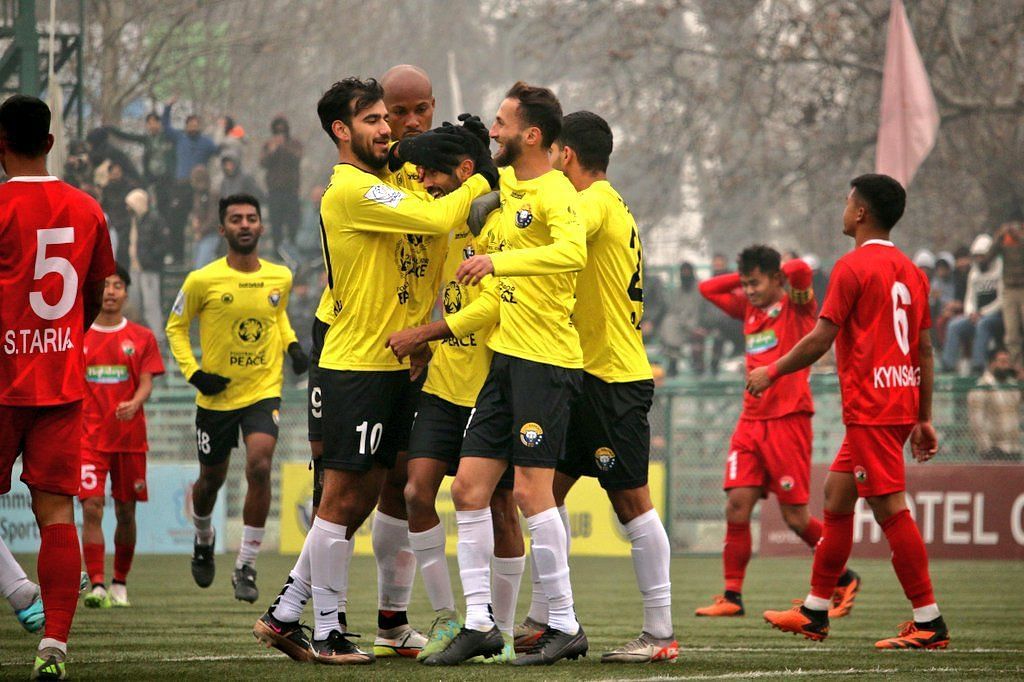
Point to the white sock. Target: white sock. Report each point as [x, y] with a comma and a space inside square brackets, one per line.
[252, 540]
[328, 562]
[547, 537]
[476, 545]
[15, 586]
[925, 614]
[563, 513]
[204, 528]
[538, 600]
[505, 580]
[651, 553]
[428, 546]
[350, 549]
[817, 603]
[292, 600]
[396, 564]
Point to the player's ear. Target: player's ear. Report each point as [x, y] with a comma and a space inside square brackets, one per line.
[341, 131]
[49, 142]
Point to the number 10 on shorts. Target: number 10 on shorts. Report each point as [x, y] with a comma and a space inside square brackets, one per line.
[375, 434]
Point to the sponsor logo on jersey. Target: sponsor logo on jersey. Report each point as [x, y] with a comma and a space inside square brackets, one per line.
[517, 194]
[604, 459]
[106, 374]
[531, 435]
[249, 330]
[787, 483]
[227, 299]
[128, 348]
[860, 473]
[275, 297]
[250, 285]
[524, 217]
[383, 194]
[452, 298]
[761, 342]
[507, 292]
[411, 256]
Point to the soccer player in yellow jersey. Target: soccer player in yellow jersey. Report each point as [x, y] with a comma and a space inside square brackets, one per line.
[609, 435]
[244, 331]
[366, 395]
[522, 410]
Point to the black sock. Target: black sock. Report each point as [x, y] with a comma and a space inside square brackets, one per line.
[391, 619]
[734, 597]
[845, 579]
[118, 582]
[342, 619]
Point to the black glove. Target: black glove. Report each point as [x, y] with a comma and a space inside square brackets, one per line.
[439, 149]
[473, 124]
[300, 361]
[207, 383]
[479, 209]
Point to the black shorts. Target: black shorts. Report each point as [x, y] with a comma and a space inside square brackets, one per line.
[217, 430]
[609, 435]
[369, 417]
[438, 432]
[522, 412]
[314, 403]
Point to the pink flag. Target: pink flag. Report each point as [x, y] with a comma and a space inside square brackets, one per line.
[910, 118]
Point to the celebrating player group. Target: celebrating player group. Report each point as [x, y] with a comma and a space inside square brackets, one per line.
[534, 376]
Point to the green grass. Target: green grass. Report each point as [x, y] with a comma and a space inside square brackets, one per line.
[177, 631]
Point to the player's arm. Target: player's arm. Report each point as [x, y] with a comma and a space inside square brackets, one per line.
[127, 409]
[482, 312]
[721, 291]
[801, 279]
[924, 442]
[380, 207]
[187, 305]
[804, 354]
[289, 339]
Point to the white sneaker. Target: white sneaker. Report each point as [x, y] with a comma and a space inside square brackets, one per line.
[401, 641]
[644, 649]
[119, 595]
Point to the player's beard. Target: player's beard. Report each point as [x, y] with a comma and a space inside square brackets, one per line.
[242, 249]
[510, 151]
[362, 147]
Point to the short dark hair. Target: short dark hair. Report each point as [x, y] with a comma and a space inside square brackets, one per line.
[346, 99]
[122, 272]
[235, 200]
[540, 108]
[884, 196]
[192, 117]
[590, 137]
[25, 125]
[759, 256]
[152, 116]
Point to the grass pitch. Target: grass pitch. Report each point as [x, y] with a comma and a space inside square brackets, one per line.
[177, 631]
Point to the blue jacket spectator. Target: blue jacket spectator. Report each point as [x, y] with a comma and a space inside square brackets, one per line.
[192, 147]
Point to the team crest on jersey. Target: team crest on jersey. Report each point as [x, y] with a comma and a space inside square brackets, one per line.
[275, 297]
[787, 483]
[383, 194]
[468, 251]
[139, 485]
[775, 311]
[227, 299]
[524, 217]
[249, 330]
[531, 435]
[452, 298]
[860, 473]
[128, 348]
[276, 415]
[604, 459]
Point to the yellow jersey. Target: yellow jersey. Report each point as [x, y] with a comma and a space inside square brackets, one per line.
[609, 291]
[540, 246]
[365, 222]
[243, 330]
[460, 365]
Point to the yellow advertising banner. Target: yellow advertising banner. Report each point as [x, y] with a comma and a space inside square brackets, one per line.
[595, 530]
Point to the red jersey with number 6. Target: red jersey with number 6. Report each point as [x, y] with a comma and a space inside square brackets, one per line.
[53, 242]
[879, 299]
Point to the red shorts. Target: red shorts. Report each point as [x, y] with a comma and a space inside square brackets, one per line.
[48, 439]
[773, 454]
[874, 455]
[127, 475]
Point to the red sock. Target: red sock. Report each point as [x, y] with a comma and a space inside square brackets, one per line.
[123, 555]
[812, 533]
[93, 552]
[832, 553]
[909, 558]
[736, 555]
[58, 577]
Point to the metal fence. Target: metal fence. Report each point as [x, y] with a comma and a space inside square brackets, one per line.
[691, 421]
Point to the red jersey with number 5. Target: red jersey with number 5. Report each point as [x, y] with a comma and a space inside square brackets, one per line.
[879, 299]
[53, 242]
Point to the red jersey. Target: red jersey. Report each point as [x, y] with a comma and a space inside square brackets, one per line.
[879, 299]
[771, 333]
[115, 358]
[53, 243]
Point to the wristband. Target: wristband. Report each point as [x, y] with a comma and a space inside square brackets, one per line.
[773, 371]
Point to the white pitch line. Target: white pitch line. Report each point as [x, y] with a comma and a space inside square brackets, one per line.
[800, 672]
[165, 659]
[826, 649]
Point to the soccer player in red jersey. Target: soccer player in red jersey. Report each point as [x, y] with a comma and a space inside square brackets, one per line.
[54, 256]
[770, 449]
[876, 311]
[121, 359]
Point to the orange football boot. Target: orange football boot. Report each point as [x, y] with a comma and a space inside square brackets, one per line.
[722, 607]
[800, 621]
[931, 635]
[842, 599]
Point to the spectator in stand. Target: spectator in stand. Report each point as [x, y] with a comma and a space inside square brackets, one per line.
[925, 261]
[1008, 245]
[941, 293]
[147, 245]
[192, 149]
[235, 180]
[78, 170]
[655, 306]
[101, 149]
[993, 410]
[982, 319]
[308, 238]
[281, 158]
[113, 193]
[204, 218]
[961, 271]
[681, 331]
[158, 159]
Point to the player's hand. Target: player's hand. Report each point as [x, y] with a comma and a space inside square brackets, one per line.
[418, 361]
[126, 410]
[438, 149]
[480, 209]
[207, 383]
[924, 442]
[758, 381]
[405, 343]
[300, 361]
[474, 269]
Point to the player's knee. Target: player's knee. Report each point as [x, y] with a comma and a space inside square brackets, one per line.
[466, 495]
[631, 503]
[737, 510]
[886, 506]
[92, 510]
[257, 472]
[795, 516]
[417, 497]
[125, 513]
